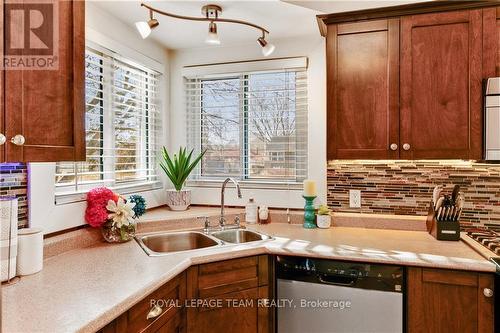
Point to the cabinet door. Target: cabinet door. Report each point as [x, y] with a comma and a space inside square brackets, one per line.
[363, 90]
[238, 313]
[237, 285]
[47, 106]
[449, 301]
[441, 85]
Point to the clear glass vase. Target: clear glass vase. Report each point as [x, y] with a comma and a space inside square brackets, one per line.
[112, 234]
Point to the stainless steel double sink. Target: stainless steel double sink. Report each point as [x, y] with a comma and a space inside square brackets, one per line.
[158, 244]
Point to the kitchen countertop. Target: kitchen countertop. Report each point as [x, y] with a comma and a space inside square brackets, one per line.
[84, 289]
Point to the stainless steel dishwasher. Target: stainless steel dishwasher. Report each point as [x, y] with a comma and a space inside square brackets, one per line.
[327, 296]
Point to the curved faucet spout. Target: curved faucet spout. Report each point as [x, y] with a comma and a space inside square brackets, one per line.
[222, 219]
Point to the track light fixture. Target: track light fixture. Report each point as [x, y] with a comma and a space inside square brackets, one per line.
[212, 37]
[210, 14]
[145, 28]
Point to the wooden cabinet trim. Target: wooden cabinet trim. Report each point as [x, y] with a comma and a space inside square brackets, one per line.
[78, 104]
[331, 79]
[357, 27]
[398, 11]
[490, 42]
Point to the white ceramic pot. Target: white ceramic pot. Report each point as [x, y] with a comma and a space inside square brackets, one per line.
[323, 221]
[178, 200]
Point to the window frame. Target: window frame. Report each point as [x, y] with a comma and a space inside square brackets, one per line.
[198, 180]
[107, 165]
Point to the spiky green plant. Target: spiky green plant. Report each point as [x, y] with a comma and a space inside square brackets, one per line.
[180, 166]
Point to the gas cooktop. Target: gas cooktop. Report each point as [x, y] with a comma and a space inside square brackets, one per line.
[490, 239]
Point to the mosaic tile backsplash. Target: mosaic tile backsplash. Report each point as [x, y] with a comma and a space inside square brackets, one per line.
[14, 181]
[405, 187]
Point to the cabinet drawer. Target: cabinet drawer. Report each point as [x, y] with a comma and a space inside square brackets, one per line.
[229, 276]
[135, 319]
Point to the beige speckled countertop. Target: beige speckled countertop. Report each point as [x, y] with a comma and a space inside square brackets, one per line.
[84, 289]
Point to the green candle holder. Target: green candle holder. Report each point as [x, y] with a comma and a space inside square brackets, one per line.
[309, 215]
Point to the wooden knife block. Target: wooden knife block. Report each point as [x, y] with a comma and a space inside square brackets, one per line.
[442, 230]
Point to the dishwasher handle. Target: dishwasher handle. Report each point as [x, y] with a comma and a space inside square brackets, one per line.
[338, 280]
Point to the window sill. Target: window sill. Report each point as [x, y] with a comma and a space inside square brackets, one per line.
[261, 185]
[73, 197]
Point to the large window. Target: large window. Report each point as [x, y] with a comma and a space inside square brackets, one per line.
[122, 123]
[252, 125]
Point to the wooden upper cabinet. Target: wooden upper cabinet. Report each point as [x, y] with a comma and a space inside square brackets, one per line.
[449, 301]
[441, 85]
[363, 90]
[47, 107]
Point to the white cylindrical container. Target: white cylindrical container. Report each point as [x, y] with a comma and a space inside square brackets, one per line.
[323, 221]
[251, 212]
[30, 251]
[8, 237]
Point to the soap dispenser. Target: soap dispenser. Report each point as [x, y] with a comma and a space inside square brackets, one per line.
[251, 212]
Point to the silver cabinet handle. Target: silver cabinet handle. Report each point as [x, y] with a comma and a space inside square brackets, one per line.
[3, 139]
[154, 312]
[488, 292]
[394, 146]
[18, 140]
[406, 146]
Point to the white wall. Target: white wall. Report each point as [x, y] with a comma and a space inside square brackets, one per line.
[102, 28]
[314, 48]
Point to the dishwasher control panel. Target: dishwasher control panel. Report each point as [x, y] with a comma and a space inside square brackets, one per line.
[342, 273]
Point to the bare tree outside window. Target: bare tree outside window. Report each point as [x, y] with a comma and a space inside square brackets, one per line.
[121, 126]
[252, 125]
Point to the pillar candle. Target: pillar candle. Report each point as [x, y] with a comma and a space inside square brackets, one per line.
[309, 188]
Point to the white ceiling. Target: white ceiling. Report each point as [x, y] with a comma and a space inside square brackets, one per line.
[281, 18]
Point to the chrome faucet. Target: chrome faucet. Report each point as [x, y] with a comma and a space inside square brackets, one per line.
[222, 219]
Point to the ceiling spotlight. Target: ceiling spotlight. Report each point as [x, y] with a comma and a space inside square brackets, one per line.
[145, 28]
[212, 38]
[267, 48]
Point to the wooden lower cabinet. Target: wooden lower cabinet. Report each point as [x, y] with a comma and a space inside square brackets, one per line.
[449, 301]
[237, 285]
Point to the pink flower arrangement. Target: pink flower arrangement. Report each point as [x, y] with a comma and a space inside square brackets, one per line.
[96, 213]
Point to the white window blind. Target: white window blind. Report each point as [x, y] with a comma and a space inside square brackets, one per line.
[122, 127]
[253, 125]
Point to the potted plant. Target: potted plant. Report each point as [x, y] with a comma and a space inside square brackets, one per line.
[324, 219]
[178, 170]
